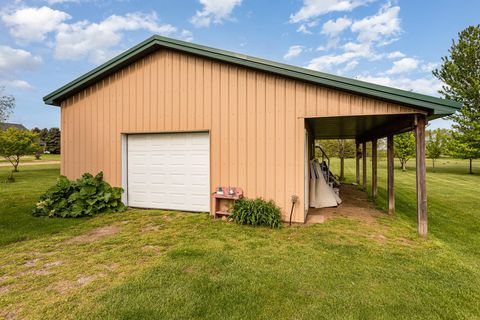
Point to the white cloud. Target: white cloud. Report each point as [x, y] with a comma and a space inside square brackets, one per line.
[314, 8]
[371, 32]
[305, 27]
[214, 11]
[348, 67]
[32, 24]
[428, 85]
[363, 50]
[13, 60]
[186, 35]
[428, 67]
[98, 41]
[326, 62]
[395, 55]
[51, 2]
[403, 65]
[333, 28]
[351, 53]
[293, 51]
[379, 27]
[17, 84]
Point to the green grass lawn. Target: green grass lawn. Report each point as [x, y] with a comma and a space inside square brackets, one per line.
[44, 157]
[151, 264]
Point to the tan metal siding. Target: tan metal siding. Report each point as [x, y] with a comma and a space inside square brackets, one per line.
[255, 120]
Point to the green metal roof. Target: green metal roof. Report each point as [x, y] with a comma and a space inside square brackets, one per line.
[436, 107]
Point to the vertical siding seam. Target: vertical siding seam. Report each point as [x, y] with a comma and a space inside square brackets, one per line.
[220, 148]
[195, 95]
[246, 129]
[164, 75]
[256, 131]
[295, 132]
[285, 192]
[274, 162]
[229, 179]
[265, 140]
[236, 129]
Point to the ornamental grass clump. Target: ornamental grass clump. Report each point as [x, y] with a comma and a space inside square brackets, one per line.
[256, 212]
[87, 196]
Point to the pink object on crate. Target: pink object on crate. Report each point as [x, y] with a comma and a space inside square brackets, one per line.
[234, 193]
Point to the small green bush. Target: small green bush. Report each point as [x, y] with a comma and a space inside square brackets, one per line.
[87, 196]
[256, 212]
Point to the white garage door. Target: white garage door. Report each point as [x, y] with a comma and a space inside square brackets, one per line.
[169, 171]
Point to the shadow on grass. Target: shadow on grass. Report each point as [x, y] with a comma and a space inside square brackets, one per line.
[17, 200]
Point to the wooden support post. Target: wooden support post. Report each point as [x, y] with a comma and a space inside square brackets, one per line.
[421, 171]
[357, 162]
[364, 165]
[390, 170]
[374, 169]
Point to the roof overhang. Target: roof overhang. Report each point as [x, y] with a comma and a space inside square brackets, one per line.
[435, 107]
[362, 128]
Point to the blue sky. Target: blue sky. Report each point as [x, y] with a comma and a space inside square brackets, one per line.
[47, 43]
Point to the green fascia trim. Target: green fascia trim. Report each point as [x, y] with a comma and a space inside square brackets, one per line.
[435, 106]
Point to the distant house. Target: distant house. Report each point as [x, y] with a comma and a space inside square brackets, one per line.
[5, 126]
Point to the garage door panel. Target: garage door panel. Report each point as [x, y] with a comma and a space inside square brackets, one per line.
[198, 180]
[169, 171]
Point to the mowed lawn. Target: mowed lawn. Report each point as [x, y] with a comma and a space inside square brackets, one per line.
[151, 264]
[43, 158]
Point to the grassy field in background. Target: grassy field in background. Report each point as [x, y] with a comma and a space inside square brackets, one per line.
[151, 264]
[44, 157]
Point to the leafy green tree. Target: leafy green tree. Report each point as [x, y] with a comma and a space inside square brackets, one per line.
[53, 141]
[41, 147]
[15, 143]
[43, 134]
[7, 103]
[436, 144]
[404, 145]
[460, 73]
[339, 148]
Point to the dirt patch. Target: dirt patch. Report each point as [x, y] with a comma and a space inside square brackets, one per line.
[151, 248]
[150, 228]
[111, 266]
[378, 237]
[10, 315]
[31, 263]
[6, 289]
[95, 235]
[315, 218]
[189, 269]
[67, 285]
[53, 264]
[354, 205]
[85, 280]
[39, 272]
[63, 286]
[406, 242]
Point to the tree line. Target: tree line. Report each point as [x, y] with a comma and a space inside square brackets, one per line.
[16, 143]
[439, 143]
